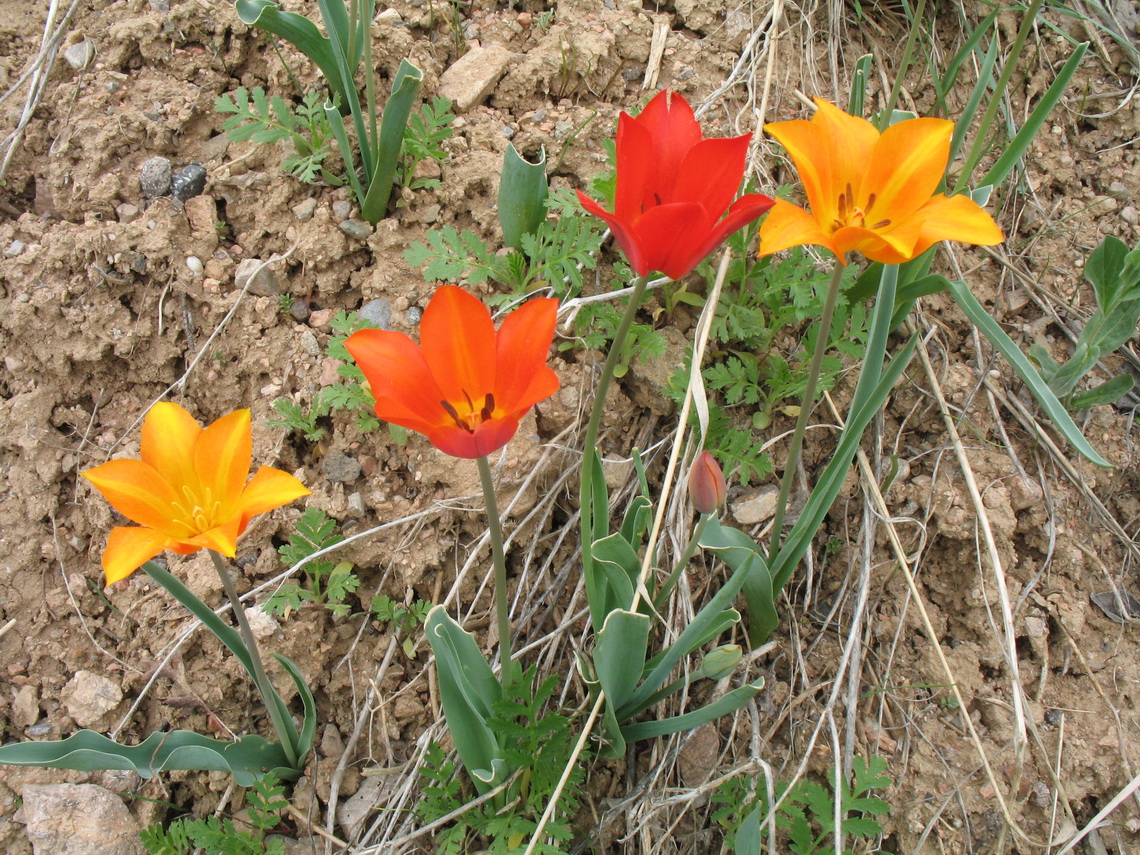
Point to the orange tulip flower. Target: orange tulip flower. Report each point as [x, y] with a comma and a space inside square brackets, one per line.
[189, 491]
[674, 188]
[465, 387]
[871, 192]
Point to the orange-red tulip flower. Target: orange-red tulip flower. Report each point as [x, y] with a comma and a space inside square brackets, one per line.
[871, 192]
[673, 189]
[707, 487]
[465, 387]
[189, 491]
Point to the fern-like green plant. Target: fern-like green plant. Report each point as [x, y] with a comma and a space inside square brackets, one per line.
[327, 583]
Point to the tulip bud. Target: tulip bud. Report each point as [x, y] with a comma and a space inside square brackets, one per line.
[707, 488]
[721, 661]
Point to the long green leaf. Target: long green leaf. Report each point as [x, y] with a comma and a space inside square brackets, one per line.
[1039, 388]
[616, 559]
[881, 319]
[619, 655]
[468, 690]
[346, 150]
[827, 488]
[247, 759]
[950, 75]
[300, 32]
[727, 703]
[1017, 147]
[737, 550]
[404, 90]
[304, 742]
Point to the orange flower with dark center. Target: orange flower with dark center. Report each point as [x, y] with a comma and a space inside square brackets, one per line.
[870, 192]
[465, 386]
[673, 203]
[189, 490]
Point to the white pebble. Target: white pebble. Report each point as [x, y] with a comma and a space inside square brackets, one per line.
[195, 265]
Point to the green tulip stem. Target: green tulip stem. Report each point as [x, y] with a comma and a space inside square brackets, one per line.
[499, 558]
[682, 561]
[264, 687]
[592, 427]
[814, 370]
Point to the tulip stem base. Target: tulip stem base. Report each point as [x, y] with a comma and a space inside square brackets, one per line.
[682, 561]
[814, 369]
[499, 559]
[264, 687]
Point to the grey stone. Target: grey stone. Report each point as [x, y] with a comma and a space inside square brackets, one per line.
[304, 210]
[160, 5]
[127, 213]
[340, 468]
[261, 279]
[80, 54]
[378, 313]
[154, 177]
[188, 182]
[1118, 190]
[78, 819]
[41, 728]
[90, 696]
[299, 311]
[755, 508]
[14, 248]
[471, 78]
[1129, 215]
[390, 17]
[356, 508]
[356, 229]
[25, 707]
[413, 316]
[309, 344]
[353, 812]
[341, 209]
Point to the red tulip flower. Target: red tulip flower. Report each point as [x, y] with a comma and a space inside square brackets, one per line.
[465, 386]
[673, 189]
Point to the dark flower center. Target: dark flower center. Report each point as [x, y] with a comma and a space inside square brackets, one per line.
[466, 415]
[851, 214]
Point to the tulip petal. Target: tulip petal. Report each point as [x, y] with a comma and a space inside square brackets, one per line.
[222, 538]
[889, 247]
[711, 173]
[789, 225]
[905, 168]
[673, 130]
[830, 152]
[138, 492]
[623, 233]
[633, 192]
[486, 439]
[128, 548]
[406, 393]
[221, 458]
[522, 347]
[268, 489]
[169, 434]
[744, 210]
[457, 337]
[673, 236]
[955, 218]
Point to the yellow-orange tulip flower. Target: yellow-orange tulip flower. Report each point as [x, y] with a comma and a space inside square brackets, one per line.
[189, 491]
[870, 192]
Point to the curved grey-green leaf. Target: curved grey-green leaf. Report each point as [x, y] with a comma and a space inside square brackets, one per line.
[522, 196]
[247, 759]
[1056, 411]
[619, 655]
[727, 703]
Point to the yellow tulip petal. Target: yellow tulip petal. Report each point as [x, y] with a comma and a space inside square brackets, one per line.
[788, 225]
[905, 167]
[169, 434]
[128, 548]
[268, 489]
[956, 218]
[138, 492]
[222, 538]
[877, 246]
[222, 456]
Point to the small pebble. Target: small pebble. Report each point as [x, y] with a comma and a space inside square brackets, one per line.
[1054, 717]
[390, 17]
[356, 229]
[304, 210]
[155, 177]
[299, 311]
[80, 54]
[340, 468]
[1118, 190]
[341, 209]
[320, 319]
[413, 316]
[41, 728]
[508, 131]
[195, 265]
[356, 507]
[14, 248]
[188, 182]
[261, 279]
[378, 313]
[1129, 215]
[127, 213]
[309, 344]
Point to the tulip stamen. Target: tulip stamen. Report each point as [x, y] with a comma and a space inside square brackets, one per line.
[882, 224]
[488, 411]
[451, 411]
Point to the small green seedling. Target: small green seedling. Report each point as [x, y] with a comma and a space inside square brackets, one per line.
[329, 583]
[1115, 276]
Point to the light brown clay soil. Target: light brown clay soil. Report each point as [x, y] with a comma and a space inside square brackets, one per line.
[98, 318]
